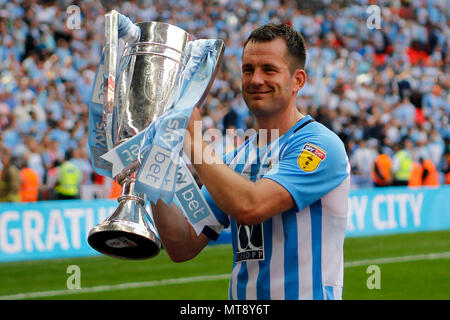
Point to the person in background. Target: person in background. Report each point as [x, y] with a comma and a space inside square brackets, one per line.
[29, 188]
[430, 175]
[9, 178]
[69, 179]
[415, 179]
[402, 164]
[381, 172]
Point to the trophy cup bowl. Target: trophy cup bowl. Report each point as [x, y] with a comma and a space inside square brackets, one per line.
[147, 84]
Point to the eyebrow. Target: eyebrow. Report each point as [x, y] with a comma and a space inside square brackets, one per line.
[265, 65]
[270, 65]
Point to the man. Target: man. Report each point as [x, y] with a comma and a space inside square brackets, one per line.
[402, 163]
[69, 179]
[9, 178]
[284, 197]
[430, 176]
[381, 169]
[29, 188]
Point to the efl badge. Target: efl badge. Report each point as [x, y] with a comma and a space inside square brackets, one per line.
[311, 157]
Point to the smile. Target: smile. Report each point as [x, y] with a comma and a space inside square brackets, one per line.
[257, 92]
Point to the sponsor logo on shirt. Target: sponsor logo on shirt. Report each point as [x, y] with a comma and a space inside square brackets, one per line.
[250, 244]
[310, 157]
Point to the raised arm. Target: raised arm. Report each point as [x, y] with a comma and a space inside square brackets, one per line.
[245, 201]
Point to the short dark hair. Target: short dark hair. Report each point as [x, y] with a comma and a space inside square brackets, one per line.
[293, 39]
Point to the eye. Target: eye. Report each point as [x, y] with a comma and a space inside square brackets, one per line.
[269, 69]
[247, 70]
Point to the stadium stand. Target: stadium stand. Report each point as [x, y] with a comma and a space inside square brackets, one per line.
[373, 87]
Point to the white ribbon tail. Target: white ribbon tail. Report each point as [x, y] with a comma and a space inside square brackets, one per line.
[191, 201]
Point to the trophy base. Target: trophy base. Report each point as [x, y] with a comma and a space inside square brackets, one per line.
[124, 240]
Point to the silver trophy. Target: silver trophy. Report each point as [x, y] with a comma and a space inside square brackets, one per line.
[147, 84]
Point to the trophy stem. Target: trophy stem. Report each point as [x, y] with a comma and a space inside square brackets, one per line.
[129, 233]
[128, 192]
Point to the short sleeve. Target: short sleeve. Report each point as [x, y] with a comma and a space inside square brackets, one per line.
[310, 165]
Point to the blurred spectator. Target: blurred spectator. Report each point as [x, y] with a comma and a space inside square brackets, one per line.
[430, 175]
[30, 182]
[363, 158]
[416, 178]
[381, 172]
[80, 159]
[9, 178]
[69, 179]
[405, 113]
[402, 163]
[33, 157]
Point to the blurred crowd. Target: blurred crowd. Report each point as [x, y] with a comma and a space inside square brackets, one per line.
[384, 89]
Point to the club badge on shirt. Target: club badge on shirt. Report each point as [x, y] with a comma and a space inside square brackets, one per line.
[310, 157]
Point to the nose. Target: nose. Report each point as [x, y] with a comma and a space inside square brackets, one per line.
[256, 78]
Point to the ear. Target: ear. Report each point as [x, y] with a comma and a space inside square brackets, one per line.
[299, 79]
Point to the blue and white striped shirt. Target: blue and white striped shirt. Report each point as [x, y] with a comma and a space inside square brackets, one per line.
[297, 254]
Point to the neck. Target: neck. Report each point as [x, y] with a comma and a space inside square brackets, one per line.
[275, 126]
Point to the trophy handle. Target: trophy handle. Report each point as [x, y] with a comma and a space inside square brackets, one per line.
[110, 62]
[220, 48]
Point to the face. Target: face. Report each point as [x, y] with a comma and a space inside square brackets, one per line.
[268, 85]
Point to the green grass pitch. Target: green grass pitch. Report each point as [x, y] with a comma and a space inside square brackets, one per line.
[418, 275]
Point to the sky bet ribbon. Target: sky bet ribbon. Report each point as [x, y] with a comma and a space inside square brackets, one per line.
[163, 140]
[127, 32]
[97, 137]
